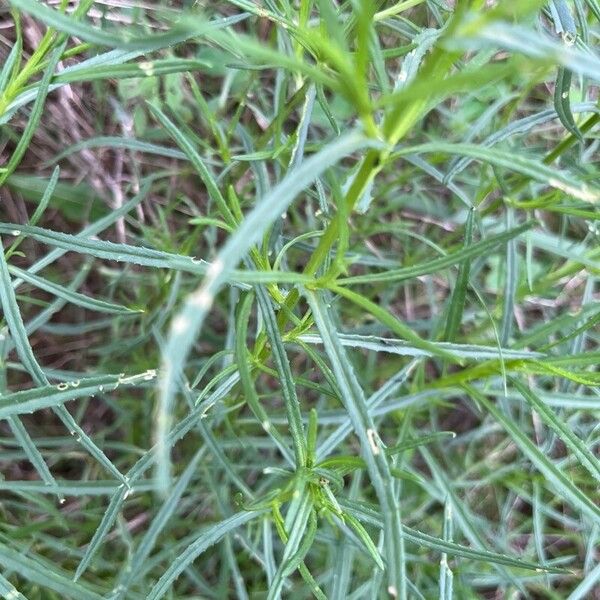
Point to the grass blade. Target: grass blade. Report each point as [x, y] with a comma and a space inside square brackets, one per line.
[393, 323]
[130, 574]
[286, 379]
[33, 454]
[9, 65]
[562, 102]
[511, 281]
[25, 352]
[300, 513]
[8, 590]
[587, 585]
[102, 530]
[250, 394]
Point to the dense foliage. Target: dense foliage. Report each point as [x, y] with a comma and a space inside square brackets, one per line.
[300, 299]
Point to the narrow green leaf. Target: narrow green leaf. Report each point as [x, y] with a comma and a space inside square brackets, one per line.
[33, 454]
[300, 528]
[207, 538]
[131, 573]
[34, 119]
[594, 6]
[520, 126]
[286, 379]
[372, 450]
[7, 589]
[402, 348]
[48, 396]
[443, 262]
[459, 293]
[370, 514]
[9, 65]
[511, 280]
[587, 585]
[389, 320]
[562, 102]
[302, 132]
[376, 399]
[182, 31]
[365, 538]
[241, 354]
[182, 428]
[556, 479]
[186, 325]
[73, 488]
[519, 38]
[512, 161]
[120, 143]
[71, 296]
[562, 430]
[91, 230]
[446, 575]
[140, 255]
[102, 530]
[44, 575]
[207, 177]
[25, 352]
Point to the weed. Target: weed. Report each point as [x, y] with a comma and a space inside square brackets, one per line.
[306, 304]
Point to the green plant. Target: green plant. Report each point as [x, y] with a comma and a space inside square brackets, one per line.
[355, 279]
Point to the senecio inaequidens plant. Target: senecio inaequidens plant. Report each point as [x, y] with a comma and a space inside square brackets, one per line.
[299, 299]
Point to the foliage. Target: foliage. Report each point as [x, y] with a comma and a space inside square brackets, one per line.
[311, 309]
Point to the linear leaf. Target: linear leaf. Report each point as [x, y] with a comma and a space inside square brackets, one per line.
[25, 352]
[186, 325]
[7, 589]
[459, 293]
[43, 575]
[71, 296]
[562, 102]
[402, 348]
[391, 321]
[437, 264]
[102, 530]
[300, 510]
[542, 463]
[131, 573]
[140, 255]
[28, 401]
[207, 538]
[34, 119]
[9, 64]
[371, 448]
[370, 514]
[241, 354]
[512, 161]
[182, 31]
[562, 430]
[286, 379]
